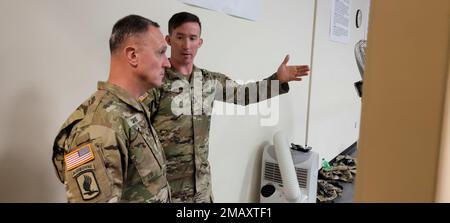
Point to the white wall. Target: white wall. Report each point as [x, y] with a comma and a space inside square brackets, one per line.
[256, 50]
[53, 52]
[335, 105]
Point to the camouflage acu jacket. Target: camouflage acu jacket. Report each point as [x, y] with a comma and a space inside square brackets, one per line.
[181, 114]
[107, 151]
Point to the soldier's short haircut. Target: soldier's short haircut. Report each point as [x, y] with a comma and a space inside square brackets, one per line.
[182, 17]
[127, 27]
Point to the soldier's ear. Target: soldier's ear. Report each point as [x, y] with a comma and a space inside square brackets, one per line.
[131, 55]
[201, 42]
[168, 40]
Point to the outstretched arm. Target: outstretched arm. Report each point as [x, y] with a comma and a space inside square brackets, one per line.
[243, 94]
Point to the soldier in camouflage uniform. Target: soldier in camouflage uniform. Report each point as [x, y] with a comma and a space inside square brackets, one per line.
[181, 108]
[107, 150]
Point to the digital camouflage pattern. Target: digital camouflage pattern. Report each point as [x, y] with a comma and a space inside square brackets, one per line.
[328, 191]
[181, 114]
[128, 163]
[343, 170]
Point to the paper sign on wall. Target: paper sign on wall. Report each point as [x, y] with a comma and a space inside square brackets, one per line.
[246, 9]
[340, 21]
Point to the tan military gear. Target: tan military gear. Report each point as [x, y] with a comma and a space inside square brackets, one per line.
[343, 170]
[107, 151]
[181, 114]
[328, 191]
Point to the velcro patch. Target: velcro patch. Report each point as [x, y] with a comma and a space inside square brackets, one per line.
[78, 157]
[135, 119]
[143, 97]
[83, 168]
[87, 183]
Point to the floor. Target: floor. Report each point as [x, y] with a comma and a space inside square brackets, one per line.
[348, 188]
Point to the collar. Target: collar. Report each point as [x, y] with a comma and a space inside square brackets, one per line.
[173, 74]
[120, 93]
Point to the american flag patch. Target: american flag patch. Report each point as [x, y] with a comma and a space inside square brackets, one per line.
[79, 157]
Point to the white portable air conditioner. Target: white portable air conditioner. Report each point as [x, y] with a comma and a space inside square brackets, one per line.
[297, 180]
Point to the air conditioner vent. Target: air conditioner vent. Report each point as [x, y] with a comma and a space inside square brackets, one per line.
[272, 173]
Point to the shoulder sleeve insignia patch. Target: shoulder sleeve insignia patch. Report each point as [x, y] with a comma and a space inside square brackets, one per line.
[78, 157]
[87, 183]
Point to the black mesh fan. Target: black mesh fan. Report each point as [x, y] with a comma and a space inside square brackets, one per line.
[360, 56]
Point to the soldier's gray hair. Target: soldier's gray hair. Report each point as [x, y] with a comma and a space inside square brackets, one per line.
[126, 27]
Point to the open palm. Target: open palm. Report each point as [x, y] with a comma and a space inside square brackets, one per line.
[287, 73]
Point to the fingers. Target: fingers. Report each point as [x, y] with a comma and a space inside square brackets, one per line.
[296, 79]
[303, 73]
[302, 66]
[286, 60]
[299, 70]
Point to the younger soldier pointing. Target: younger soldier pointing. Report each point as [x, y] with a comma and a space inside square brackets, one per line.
[181, 107]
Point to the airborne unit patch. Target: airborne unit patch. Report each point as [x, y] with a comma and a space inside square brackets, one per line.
[87, 183]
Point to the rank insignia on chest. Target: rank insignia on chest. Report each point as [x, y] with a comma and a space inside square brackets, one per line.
[135, 119]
